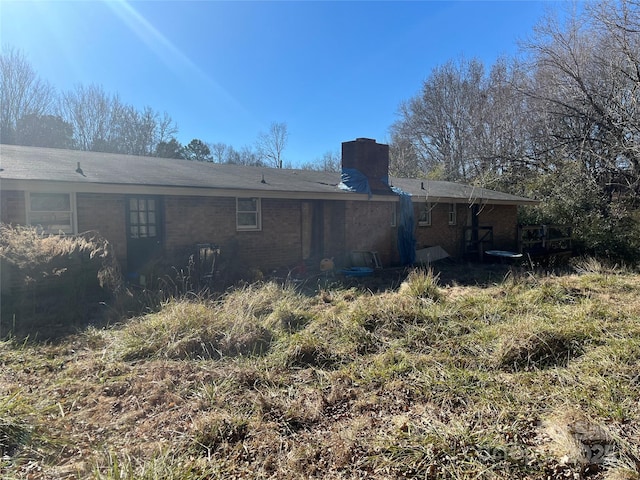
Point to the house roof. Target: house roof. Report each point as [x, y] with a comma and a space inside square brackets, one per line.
[27, 167]
[458, 192]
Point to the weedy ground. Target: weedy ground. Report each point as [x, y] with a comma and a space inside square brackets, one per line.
[534, 376]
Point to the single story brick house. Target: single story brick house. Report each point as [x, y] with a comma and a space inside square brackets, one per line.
[266, 218]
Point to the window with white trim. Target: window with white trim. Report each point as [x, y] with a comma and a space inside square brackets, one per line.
[452, 214]
[248, 215]
[54, 213]
[424, 219]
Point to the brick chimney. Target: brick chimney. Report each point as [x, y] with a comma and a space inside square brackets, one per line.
[371, 159]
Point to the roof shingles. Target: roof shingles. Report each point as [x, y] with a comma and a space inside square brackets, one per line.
[18, 163]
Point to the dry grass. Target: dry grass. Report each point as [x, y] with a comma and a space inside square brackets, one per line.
[53, 284]
[185, 329]
[41, 255]
[532, 377]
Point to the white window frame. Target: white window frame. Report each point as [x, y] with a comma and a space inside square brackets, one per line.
[68, 229]
[453, 215]
[257, 225]
[426, 209]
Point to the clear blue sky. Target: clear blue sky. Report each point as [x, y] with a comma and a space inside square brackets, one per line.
[333, 71]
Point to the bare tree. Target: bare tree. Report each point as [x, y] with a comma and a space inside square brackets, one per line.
[587, 83]
[134, 131]
[101, 122]
[22, 93]
[439, 121]
[403, 159]
[585, 104]
[166, 128]
[248, 156]
[501, 152]
[219, 152]
[93, 115]
[98, 121]
[329, 162]
[139, 132]
[464, 125]
[272, 143]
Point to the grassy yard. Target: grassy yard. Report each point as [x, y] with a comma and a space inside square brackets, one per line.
[529, 377]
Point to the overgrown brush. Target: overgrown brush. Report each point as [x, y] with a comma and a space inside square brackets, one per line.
[53, 284]
[15, 432]
[244, 322]
[185, 329]
[305, 349]
[39, 256]
[529, 344]
[599, 266]
[165, 465]
[422, 284]
[263, 300]
[470, 382]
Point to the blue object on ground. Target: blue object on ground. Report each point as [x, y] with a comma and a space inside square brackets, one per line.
[503, 254]
[357, 272]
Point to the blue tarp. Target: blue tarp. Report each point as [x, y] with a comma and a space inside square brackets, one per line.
[354, 181]
[406, 239]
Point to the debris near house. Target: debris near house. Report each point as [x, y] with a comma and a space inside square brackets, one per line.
[365, 258]
[549, 244]
[52, 284]
[357, 272]
[428, 255]
[207, 255]
[327, 265]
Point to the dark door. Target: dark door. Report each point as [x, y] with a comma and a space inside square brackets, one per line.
[312, 230]
[144, 230]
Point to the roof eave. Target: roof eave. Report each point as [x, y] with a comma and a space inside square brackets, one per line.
[136, 189]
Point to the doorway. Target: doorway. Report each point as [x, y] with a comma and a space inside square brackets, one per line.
[144, 230]
[312, 230]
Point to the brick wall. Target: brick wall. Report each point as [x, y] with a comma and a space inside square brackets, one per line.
[440, 233]
[504, 220]
[334, 229]
[13, 207]
[368, 227]
[106, 214]
[279, 242]
[192, 220]
[348, 226]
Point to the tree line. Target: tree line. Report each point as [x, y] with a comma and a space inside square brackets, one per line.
[560, 122]
[33, 113]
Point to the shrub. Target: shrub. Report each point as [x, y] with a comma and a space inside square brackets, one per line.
[51, 284]
[422, 284]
